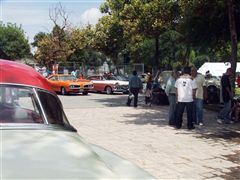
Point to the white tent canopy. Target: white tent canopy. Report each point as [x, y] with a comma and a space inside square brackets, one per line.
[216, 68]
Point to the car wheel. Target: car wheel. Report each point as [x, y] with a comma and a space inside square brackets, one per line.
[63, 91]
[109, 90]
[85, 92]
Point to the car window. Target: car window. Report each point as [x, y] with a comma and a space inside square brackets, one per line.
[94, 78]
[53, 78]
[67, 78]
[110, 77]
[19, 105]
[52, 108]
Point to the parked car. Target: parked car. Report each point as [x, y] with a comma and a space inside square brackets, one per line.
[65, 84]
[108, 84]
[37, 140]
[159, 85]
[213, 84]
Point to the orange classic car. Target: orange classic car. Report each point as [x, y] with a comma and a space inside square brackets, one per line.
[69, 84]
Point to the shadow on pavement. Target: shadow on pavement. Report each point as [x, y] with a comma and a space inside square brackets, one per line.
[158, 116]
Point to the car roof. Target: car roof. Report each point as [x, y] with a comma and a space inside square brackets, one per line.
[12, 72]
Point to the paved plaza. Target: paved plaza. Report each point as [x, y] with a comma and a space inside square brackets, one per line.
[142, 136]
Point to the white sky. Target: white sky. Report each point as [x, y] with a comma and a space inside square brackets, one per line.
[33, 15]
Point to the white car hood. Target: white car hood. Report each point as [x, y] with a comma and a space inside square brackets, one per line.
[45, 154]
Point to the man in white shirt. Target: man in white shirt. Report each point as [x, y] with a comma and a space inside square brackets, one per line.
[186, 92]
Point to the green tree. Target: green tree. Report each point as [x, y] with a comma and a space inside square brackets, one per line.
[212, 24]
[54, 47]
[38, 37]
[13, 42]
[108, 37]
[146, 18]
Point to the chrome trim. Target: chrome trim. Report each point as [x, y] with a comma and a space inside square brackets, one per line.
[40, 104]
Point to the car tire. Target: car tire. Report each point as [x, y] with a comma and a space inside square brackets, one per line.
[63, 91]
[108, 90]
[85, 92]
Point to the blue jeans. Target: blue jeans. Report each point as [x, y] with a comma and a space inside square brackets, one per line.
[198, 111]
[172, 108]
[224, 113]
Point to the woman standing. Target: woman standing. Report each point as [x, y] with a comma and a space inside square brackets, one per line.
[148, 93]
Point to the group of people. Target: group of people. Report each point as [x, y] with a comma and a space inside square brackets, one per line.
[188, 90]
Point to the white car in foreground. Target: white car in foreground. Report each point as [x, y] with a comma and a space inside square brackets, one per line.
[37, 141]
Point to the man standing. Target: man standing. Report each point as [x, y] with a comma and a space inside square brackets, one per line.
[185, 91]
[135, 85]
[200, 94]
[227, 95]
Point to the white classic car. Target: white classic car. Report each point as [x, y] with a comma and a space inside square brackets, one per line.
[108, 84]
[37, 141]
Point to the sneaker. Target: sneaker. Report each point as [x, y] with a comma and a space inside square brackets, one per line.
[200, 124]
[219, 121]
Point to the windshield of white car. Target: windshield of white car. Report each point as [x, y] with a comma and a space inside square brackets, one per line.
[121, 78]
[110, 78]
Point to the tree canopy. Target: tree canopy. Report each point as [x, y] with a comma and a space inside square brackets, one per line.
[13, 43]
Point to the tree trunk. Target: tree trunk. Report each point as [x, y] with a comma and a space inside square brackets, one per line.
[233, 33]
[186, 58]
[156, 60]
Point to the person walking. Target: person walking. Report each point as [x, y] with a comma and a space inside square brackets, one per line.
[200, 95]
[170, 91]
[227, 95]
[135, 85]
[185, 91]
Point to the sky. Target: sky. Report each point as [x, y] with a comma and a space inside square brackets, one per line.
[33, 15]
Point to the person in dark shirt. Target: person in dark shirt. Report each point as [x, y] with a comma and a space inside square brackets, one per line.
[135, 85]
[227, 95]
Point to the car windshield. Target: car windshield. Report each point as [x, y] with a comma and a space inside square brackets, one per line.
[164, 76]
[19, 104]
[67, 78]
[110, 77]
[121, 78]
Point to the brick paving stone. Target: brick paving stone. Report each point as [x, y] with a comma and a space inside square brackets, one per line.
[143, 137]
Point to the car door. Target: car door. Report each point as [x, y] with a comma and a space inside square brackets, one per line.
[97, 82]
